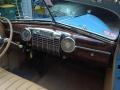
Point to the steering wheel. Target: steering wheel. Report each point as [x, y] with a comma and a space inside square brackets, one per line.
[9, 39]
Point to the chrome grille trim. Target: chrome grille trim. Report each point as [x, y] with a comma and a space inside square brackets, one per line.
[46, 40]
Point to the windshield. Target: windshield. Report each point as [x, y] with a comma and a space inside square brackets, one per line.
[37, 10]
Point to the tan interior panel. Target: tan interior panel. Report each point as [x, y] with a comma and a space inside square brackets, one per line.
[9, 81]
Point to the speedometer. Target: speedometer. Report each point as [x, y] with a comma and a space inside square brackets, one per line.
[26, 35]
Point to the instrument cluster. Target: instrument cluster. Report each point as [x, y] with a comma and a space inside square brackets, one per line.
[49, 41]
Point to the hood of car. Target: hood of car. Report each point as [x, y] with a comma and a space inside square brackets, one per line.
[90, 23]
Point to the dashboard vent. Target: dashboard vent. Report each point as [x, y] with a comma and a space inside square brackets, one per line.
[46, 40]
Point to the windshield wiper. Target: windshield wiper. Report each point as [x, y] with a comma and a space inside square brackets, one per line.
[53, 20]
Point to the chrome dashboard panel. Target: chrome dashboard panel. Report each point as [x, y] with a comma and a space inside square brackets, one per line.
[46, 40]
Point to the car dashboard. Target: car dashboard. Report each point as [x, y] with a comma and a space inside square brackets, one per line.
[68, 43]
[65, 41]
[62, 42]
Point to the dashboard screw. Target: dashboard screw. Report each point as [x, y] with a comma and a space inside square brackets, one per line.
[92, 54]
[64, 57]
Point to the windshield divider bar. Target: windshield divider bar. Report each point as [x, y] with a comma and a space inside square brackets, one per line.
[49, 12]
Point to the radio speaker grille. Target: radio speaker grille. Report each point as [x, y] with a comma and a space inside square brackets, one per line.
[46, 41]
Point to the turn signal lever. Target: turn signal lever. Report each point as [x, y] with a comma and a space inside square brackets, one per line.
[16, 44]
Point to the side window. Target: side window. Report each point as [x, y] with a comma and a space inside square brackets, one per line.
[24, 9]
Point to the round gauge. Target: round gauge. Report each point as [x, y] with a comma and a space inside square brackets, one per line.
[68, 44]
[26, 35]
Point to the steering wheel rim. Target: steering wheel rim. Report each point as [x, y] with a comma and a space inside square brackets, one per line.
[9, 39]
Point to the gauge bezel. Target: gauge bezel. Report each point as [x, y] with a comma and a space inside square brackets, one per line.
[28, 38]
[68, 51]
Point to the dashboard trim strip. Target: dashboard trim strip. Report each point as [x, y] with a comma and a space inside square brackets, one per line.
[93, 50]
